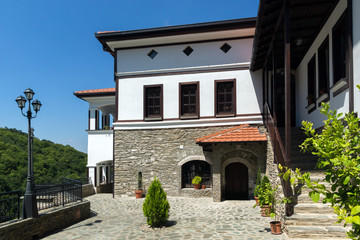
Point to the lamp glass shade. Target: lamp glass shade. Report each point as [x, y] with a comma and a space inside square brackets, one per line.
[29, 93]
[20, 100]
[36, 105]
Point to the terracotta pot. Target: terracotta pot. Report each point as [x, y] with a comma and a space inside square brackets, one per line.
[197, 186]
[138, 193]
[257, 200]
[203, 186]
[275, 227]
[265, 210]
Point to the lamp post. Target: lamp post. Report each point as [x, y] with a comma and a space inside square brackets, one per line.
[29, 206]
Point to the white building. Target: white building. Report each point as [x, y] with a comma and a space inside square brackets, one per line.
[100, 133]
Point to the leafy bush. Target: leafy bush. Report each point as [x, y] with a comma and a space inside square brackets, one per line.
[257, 183]
[196, 180]
[338, 149]
[156, 206]
[266, 193]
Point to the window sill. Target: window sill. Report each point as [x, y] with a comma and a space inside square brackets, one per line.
[153, 119]
[311, 107]
[323, 98]
[340, 86]
[185, 117]
[225, 115]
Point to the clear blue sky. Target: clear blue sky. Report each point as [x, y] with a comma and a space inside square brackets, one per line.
[50, 47]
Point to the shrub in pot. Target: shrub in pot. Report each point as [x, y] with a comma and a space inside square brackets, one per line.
[196, 182]
[257, 186]
[266, 197]
[156, 206]
[139, 191]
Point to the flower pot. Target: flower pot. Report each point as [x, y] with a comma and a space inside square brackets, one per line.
[203, 186]
[197, 186]
[257, 200]
[275, 227]
[138, 193]
[265, 210]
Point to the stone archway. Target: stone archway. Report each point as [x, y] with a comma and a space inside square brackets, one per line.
[238, 166]
[236, 182]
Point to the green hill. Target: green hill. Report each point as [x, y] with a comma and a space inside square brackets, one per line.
[51, 161]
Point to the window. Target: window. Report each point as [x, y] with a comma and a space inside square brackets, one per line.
[311, 84]
[195, 168]
[225, 97]
[189, 100]
[153, 102]
[152, 54]
[188, 50]
[340, 54]
[323, 70]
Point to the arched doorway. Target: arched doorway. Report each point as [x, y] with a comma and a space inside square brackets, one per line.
[236, 182]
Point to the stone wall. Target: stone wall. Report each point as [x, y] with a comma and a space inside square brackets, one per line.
[162, 152]
[273, 174]
[87, 190]
[50, 221]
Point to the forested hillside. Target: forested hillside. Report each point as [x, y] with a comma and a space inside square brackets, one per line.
[51, 161]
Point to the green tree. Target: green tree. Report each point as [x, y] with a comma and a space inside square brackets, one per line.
[51, 161]
[156, 206]
[338, 150]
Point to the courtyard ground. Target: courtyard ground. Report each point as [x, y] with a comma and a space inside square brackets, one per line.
[190, 218]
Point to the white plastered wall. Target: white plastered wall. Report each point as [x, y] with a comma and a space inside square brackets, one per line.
[248, 93]
[168, 57]
[100, 146]
[341, 101]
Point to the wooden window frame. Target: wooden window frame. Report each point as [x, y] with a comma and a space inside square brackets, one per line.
[186, 181]
[160, 117]
[197, 108]
[340, 83]
[323, 71]
[230, 114]
[311, 80]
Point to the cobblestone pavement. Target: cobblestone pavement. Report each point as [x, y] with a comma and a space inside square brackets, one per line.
[190, 218]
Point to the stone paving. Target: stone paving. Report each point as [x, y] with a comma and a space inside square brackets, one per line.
[190, 218]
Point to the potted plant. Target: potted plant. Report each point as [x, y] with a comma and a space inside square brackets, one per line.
[197, 182]
[139, 191]
[203, 186]
[266, 197]
[257, 186]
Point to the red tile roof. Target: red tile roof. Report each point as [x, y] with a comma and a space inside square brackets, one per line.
[242, 133]
[96, 91]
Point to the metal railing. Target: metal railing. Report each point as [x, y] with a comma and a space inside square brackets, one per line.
[10, 205]
[48, 196]
[279, 151]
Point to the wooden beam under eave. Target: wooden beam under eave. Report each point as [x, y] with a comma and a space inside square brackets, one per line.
[287, 79]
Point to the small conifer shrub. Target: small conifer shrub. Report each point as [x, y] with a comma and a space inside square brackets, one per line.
[156, 206]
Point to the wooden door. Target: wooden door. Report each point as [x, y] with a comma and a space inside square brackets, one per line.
[236, 182]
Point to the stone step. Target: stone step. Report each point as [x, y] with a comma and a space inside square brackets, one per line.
[315, 232]
[313, 208]
[328, 238]
[312, 220]
[304, 198]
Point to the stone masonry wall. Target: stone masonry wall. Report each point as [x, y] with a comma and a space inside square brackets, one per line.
[161, 153]
[35, 228]
[273, 174]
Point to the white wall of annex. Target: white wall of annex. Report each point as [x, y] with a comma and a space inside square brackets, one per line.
[100, 146]
[248, 92]
[356, 53]
[168, 57]
[341, 101]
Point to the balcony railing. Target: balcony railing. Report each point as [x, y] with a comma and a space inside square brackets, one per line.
[10, 205]
[47, 196]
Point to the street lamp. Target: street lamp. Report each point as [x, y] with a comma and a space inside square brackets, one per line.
[29, 206]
